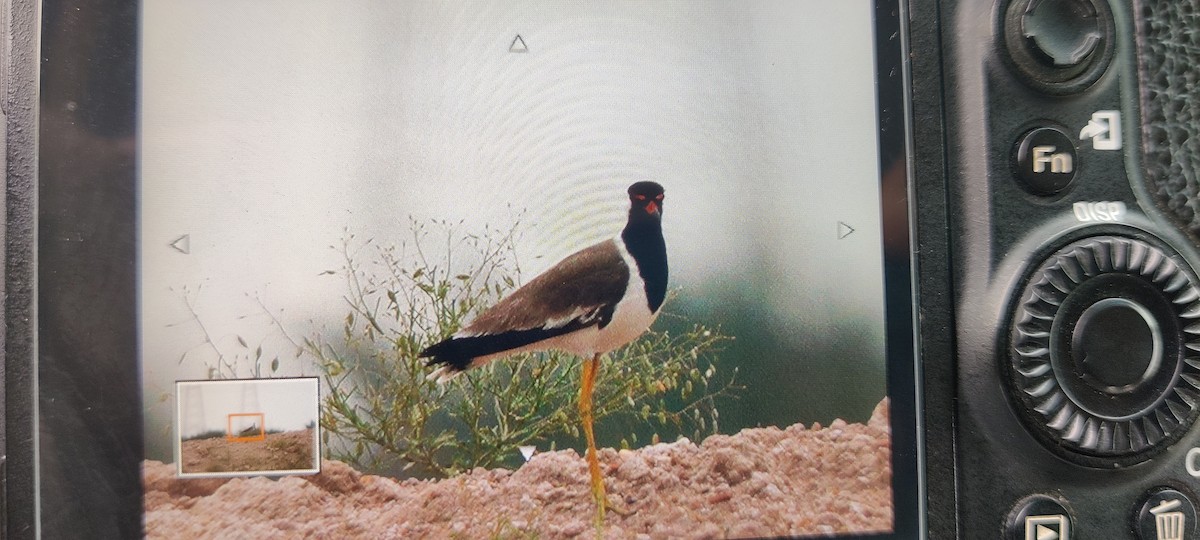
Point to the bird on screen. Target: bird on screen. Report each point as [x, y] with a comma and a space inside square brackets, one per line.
[590, 303]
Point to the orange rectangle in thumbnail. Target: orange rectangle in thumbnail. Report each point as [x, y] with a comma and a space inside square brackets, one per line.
[245, 434]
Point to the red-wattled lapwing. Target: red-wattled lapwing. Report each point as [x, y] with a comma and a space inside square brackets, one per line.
[588, 304]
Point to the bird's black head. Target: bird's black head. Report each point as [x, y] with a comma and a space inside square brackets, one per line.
[645, 198]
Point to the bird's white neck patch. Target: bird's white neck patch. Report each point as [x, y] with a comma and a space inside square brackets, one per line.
[636, 291]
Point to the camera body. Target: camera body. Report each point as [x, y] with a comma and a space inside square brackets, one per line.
[1072, 249]
[1054, 169]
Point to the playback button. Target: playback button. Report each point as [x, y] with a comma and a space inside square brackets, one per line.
[1045, 161]
[1039, 517]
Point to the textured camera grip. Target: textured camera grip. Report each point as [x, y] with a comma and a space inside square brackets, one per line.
[1169, 80]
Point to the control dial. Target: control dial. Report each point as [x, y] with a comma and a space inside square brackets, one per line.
[1104, 356]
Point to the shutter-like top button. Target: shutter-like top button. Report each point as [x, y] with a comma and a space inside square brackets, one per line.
[1059, 46]
[1061, 33]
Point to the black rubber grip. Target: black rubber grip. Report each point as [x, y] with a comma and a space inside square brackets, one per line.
[1168, 54]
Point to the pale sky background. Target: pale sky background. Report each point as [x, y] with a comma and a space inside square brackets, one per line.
[286, 404]
[271, 127]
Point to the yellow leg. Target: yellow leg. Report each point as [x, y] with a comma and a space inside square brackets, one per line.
[590, 367]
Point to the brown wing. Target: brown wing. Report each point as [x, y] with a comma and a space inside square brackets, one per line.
[583, 287]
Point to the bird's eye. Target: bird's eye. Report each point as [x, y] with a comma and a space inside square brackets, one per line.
[640, 197]
[659, 197]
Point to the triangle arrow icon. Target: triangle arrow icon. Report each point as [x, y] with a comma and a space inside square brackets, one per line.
[526, 452]
[183, 244]
[844, 230]
[1043, 532]
[518, 45]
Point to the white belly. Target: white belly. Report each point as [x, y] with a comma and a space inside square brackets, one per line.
[631, 318]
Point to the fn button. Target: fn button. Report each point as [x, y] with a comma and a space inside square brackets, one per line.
[1046, 161]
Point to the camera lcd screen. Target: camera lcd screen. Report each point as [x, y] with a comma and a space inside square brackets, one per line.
[325, 190]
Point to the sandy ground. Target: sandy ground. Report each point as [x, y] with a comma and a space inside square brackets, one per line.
[757, 483]
[290, 450]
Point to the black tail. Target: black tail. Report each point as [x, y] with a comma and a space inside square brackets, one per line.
[457, 353]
